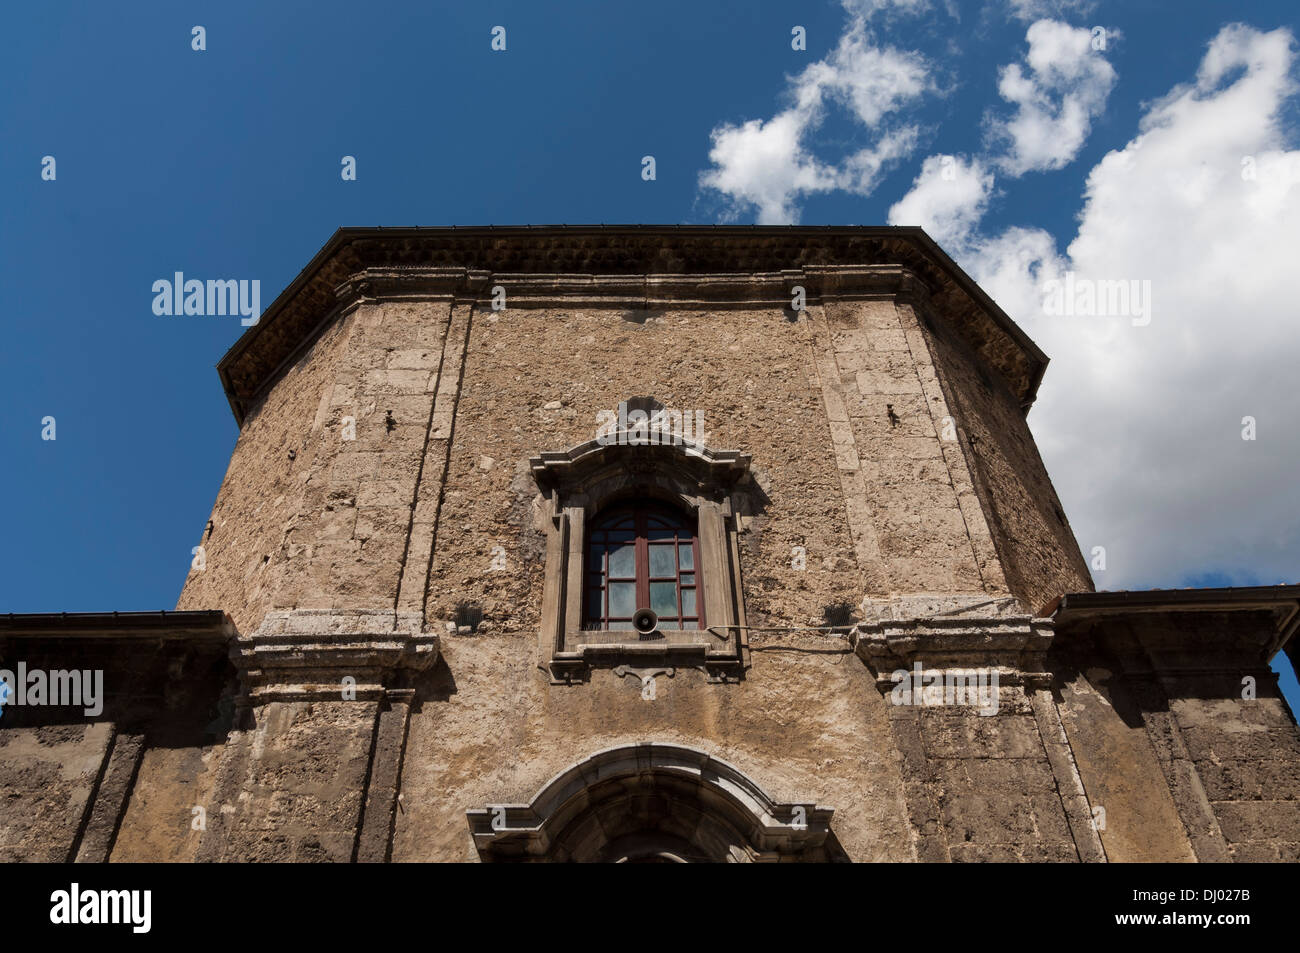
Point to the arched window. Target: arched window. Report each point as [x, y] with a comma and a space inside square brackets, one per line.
[643, 556]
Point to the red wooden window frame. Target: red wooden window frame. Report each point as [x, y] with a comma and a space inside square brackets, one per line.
[642, 525]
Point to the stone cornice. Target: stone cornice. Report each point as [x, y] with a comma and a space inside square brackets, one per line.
[306, 654]
[1014, 645]
[1277, 609]
[155, 666]
[656, 266]
[124, 628]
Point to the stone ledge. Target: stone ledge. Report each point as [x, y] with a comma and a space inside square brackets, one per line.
[305, 654]
[968, 634]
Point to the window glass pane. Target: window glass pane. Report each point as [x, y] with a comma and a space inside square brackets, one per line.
[610, 595]
[622, 561]
[663, 598]
[622, 599]
[661, 561]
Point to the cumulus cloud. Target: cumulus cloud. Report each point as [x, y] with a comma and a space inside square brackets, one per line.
[947, 199]
[1059, 91]
[1141, 425]
[767, 166]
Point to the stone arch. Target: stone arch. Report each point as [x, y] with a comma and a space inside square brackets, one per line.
[653, 802]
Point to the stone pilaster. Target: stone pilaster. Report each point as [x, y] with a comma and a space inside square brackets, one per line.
[110, 798]
[327, 688]
[375, 838]
[986, 775]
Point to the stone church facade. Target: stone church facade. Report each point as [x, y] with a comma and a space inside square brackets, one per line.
[468, 457]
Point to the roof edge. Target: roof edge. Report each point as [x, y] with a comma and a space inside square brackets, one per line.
[190, 625]
[345, 235]
[1282, 600]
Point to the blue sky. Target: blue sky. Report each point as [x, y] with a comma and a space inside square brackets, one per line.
[225, 163]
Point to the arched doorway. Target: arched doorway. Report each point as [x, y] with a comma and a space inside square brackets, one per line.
[653, 803]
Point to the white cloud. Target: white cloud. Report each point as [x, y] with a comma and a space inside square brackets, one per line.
[871, 81]
[1056, 100]
[764, 165]
[1141, 426]
[1037, 9]
[947, 199]
[860, 172]
[869, 8]
[767, 165]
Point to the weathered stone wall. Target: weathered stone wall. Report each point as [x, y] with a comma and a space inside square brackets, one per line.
[995, 794]
[916, 524]
[294, 784]
[1167, 740]
[263, 495]
[987, 771]
[119, 781]
[834, 405]
[47, 774]
[1035, 546]
[535, 379]
[160, 822]
[1119, 770]
[1238, 740]
[334, 525]
[842, 411]
[807, 725]
[1247, 755]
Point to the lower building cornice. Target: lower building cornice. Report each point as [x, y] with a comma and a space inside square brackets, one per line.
[332, 654]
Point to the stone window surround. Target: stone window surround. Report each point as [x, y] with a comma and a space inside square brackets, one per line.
[582, 481]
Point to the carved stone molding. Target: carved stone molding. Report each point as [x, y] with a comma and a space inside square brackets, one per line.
[988, 635]
[332, 654]
[722, 814]
[582, 469]
[397, 284]
[628, 267]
